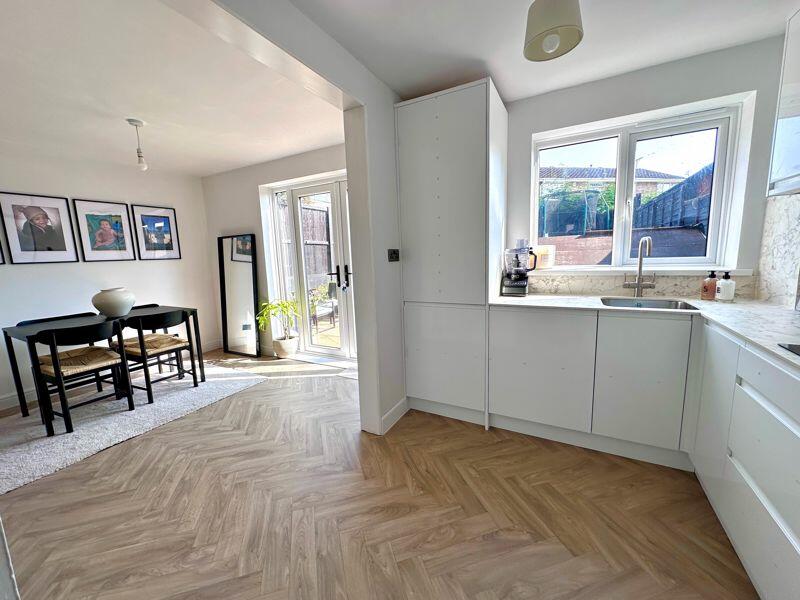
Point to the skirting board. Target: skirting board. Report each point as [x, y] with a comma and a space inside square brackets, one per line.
[651, 454]
[394, 415]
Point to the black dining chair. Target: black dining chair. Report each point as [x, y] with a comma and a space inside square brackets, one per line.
[87, 379]
[159, 358]
[59, 371]
[148, 349]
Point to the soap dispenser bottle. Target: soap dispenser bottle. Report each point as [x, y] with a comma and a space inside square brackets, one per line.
[709, 287]
[726, 288]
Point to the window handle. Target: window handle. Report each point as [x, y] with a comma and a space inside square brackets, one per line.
[347, 273]
[338, 276]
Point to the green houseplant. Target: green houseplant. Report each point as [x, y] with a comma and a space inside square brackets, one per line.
[285, 311]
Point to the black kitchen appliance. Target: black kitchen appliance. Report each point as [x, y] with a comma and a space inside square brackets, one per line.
[515, 271]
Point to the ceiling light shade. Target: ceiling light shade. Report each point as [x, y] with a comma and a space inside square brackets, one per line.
[554, 28]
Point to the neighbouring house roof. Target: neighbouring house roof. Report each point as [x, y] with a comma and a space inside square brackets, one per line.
[600, 173]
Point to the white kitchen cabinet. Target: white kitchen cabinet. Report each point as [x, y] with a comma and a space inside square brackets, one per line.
[541, 365]
[446, 354]
[766, 442]
[767, 553]
[710, 453]
[444, 185]
[640, 377]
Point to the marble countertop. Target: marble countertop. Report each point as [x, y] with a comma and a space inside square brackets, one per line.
[761, 324]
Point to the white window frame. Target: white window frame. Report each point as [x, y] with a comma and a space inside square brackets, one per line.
[725, 119]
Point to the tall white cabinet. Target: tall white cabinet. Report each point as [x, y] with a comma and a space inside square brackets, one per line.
[451, 149]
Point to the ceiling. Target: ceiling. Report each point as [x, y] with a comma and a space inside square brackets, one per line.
[420, 46]
[73, 71]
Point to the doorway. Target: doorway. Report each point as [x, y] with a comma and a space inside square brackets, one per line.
[313, 239]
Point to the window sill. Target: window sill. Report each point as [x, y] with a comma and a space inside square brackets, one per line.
[668, 270]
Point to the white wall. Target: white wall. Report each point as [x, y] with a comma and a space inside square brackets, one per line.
[373, 194]
[743, 68]
[31, 291]
[233, 206]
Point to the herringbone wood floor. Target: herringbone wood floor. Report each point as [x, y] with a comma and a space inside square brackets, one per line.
[275, 493]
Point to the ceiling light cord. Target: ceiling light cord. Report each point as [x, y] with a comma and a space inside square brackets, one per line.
[140, 161]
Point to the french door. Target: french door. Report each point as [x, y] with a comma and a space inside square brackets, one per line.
[325, 284]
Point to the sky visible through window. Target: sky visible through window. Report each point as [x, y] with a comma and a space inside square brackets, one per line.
[681, 154]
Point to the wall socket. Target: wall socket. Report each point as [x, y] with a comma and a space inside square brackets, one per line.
[393, 254]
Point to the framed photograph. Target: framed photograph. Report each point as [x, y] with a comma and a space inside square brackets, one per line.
[242, 248]
[104, 229]
[38, 228]
[156, 232]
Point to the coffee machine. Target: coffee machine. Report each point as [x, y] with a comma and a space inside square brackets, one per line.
[516, 266]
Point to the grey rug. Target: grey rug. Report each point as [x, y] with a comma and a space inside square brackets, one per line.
[27, 454]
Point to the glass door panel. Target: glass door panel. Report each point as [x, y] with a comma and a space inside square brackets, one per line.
[321, 299]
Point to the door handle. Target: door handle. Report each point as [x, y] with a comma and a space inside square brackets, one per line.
[338, 276]
[347, 273]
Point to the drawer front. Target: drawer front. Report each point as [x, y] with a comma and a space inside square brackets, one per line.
[766, 442]
[771, 560]
[774, 382]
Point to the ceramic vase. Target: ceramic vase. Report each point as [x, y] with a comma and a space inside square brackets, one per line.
[114, 302]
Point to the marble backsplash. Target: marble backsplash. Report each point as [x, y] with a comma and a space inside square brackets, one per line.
[581, 284]
[780, 251]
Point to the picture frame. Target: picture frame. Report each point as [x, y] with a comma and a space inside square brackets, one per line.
[105, 230]
[38, 228]
[157, 235]
[242, 248]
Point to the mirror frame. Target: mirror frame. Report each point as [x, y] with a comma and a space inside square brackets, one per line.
[223, 300]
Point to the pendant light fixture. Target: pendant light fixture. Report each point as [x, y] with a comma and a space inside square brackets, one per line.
[137, 123]
[554, 28]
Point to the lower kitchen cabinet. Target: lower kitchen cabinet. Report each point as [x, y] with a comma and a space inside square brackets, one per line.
[541, 365]
[640, 377]
[710, 453]
[446, 354]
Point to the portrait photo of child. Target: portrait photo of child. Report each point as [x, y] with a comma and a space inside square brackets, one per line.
[38, 228]
[105, 230]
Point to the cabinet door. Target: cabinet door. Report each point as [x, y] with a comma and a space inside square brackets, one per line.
[442, 158]
[541, 365]
[446, 354]
[710, 453]
[640, 377]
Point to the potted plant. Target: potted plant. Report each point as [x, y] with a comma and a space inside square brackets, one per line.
[285, 311]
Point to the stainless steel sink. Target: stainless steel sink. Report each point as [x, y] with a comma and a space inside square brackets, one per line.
[648, 303]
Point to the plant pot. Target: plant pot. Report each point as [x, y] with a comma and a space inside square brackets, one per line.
[286, 347]
[114, 302]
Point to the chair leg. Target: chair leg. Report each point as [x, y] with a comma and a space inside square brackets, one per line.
[194, 366]
[98, 382]
[45, 408]
[62, 396]
[160, 365]
[179, 362]
[125, 377]
[115, 382]
[39, 397]
[147, 383]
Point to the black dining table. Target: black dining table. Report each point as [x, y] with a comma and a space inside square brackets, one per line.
[27, 333]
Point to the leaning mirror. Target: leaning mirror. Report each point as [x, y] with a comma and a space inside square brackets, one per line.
[239, 293]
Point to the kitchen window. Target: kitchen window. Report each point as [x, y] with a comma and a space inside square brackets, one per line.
[596, 194]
